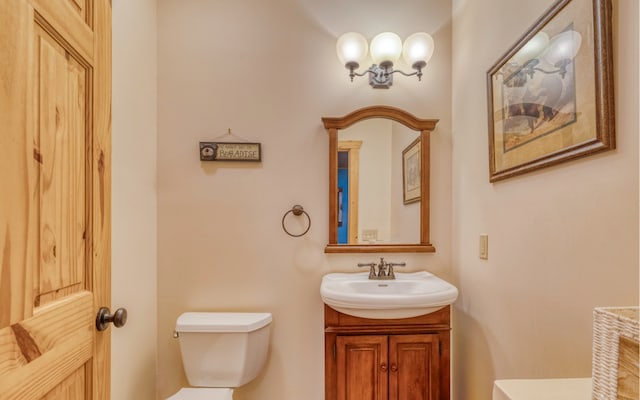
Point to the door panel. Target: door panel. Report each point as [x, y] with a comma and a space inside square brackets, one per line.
[413, 367]
[46, 348]
[72, 388]
[55, 95]
[69, 25]
[82, 7]
[362, 367]
[61, 132]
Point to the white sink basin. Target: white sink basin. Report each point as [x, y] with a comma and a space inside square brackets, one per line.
[409, 295]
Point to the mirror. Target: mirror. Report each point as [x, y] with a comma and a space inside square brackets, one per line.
[374, 207]
[378, 181]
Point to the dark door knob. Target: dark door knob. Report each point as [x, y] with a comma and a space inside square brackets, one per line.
[104, 318]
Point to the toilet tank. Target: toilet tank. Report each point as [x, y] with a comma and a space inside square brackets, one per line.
[222, 349]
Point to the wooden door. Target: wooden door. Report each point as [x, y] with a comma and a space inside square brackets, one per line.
[352, 148]
[55, 105]
[362, 367]
[414, 367]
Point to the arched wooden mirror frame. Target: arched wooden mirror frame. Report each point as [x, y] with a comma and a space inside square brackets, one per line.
[425, 127]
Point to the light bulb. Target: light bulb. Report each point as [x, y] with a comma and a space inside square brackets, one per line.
[351, 48]
[386, 48]
[418, 49]
[563, 46]
[532, 49]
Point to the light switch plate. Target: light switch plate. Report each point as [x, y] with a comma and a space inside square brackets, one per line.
[369, 234]
[484, 247]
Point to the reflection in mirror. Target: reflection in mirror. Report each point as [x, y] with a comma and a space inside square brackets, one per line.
[370, 182]
[379, 181]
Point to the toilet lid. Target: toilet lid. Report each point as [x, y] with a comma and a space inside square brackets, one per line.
[222, 322]
[203, 394]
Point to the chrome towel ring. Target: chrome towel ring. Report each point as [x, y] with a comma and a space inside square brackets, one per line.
[296, 210]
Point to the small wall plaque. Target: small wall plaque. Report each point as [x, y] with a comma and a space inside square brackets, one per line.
[227, 151]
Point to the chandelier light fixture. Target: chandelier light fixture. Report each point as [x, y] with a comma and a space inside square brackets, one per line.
[386, 48]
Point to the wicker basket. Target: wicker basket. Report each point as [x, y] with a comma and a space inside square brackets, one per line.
[609, 325]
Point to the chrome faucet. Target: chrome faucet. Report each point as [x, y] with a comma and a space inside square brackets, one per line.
[385, 269]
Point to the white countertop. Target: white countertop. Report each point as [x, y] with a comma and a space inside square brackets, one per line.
[542, 389]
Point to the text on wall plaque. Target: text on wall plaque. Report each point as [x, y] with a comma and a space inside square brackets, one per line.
[226, 151]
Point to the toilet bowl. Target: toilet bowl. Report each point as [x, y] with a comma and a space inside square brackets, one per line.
[220, 352]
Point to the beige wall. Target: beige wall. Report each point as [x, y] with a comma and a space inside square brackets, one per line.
[268, 70]
[134, 248]
[562, 240]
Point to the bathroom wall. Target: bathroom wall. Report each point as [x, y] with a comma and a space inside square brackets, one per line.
[134, 198]
[562, 240]
[269, 71]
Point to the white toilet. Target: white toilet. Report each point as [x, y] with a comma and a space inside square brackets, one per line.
[220, 352]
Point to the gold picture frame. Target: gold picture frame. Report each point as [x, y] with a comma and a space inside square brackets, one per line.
[550, 97]
[411, 182]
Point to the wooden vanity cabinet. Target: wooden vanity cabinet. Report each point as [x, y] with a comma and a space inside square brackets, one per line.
[387, 359]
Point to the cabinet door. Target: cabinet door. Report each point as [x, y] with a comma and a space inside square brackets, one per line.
[413, 367]
[362, 369]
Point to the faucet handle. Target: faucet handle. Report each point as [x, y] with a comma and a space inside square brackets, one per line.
[402, 264]
[371, 264]
[391, 265]
[372, 268]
